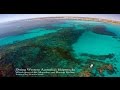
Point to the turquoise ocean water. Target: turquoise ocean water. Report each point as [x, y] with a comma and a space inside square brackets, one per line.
[89, 42]
[30, 34]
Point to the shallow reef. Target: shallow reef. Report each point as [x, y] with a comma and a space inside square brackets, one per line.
[50, 49]
[98, 70]
[54, 50]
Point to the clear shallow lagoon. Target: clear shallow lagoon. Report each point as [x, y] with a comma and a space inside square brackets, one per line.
[30, 34]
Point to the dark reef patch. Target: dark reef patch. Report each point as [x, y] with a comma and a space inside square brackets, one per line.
[100, 57]
[101, 29]
[7, 70]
